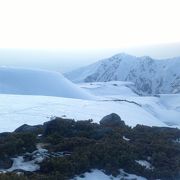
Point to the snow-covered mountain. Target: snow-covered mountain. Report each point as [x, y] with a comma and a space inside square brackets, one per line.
[150, 76]
[38, 82]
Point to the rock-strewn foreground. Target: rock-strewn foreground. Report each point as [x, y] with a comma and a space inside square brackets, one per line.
[63, 148]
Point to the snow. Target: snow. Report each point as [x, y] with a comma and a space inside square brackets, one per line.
[109, 88]
[20, 164]
[100, 175]
[164, 110]
[150, 76]
[165, 107]
[80, 102]
[30, 161]
[177, 140]
[80, 74]
[38, 82]
[16, 110]
[144, 163]
[126, 139]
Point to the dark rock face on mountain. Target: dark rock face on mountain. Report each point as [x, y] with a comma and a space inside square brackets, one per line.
[150, 76]
[112, 120]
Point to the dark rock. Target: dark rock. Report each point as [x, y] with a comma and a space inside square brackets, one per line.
[5, 163]
[112, 120]
[28, 128]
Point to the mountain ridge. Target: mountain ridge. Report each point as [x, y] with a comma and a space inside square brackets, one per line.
[150, 76]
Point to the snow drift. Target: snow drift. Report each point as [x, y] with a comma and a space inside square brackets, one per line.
[38, 82]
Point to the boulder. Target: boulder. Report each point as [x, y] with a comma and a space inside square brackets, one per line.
[112, 120]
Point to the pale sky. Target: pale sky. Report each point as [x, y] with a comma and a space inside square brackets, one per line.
[66, 34]
[84, 24]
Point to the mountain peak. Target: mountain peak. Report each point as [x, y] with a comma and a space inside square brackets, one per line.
[123, 55]
[149, 75]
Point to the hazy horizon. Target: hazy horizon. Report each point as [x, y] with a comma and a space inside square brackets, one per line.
[64, 60]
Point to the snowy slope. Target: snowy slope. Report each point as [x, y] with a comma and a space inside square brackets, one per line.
[16, 110]
[109, 88]
[111, 97]
[38, 82]
[80, 102]
[165, 107]
[150, 76]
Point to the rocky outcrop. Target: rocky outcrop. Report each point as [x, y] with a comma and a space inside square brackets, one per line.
[112, 120]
